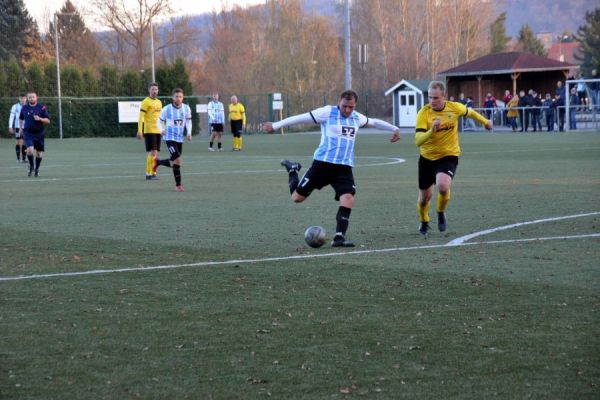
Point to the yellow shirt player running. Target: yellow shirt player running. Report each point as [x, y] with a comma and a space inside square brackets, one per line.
[237, 118]
[147, 128]
[436, 136]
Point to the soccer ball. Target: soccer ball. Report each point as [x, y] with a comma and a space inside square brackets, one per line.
[315, 236]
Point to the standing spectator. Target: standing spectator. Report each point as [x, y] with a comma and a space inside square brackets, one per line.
[33, 117]
[237, 119]
[148, 129]
[559, 105]
[512, 112]
[548, 108]
[523, 116]
[506, 99]
[595, 91]
[216, 118]
[470, 123]
[14, 125]
[536, 111]
[174, 118]
[490, 106]
[463, 101]
[560, 89]
[582, 92]
[573, 103]
[334, 158]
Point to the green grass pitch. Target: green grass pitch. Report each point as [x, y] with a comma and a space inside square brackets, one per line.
[243, 309]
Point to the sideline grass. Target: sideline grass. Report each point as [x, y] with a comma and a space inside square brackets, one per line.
[506, 320]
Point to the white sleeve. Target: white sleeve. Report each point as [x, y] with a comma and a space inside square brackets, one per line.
[314, 117]
[380, 124]
[12, 117]
[211, 111]
[188, 121]
[160, 121]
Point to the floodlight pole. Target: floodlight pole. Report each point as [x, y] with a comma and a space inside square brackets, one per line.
[348, 59]
[60, 121]
[152, 50]
[60, 127]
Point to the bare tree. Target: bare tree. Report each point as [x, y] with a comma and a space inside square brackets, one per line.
[132, 23]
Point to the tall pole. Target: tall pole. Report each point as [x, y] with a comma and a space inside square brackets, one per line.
[60, 125]
[348, 59]
[152, 51]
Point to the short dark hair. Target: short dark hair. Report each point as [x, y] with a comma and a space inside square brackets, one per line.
[32, 92]
[152, 84]
[349, 95]
[23, 95]
[177, 90]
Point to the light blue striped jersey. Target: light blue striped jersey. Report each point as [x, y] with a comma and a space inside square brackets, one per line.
[338, 134]
[13, 120]
[176, 120]
[216, 112]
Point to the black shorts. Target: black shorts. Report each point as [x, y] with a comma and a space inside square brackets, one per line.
[152, 141]
[35, 140]
[175, 149]
[236, 127]
[321, 174]
[18, 135]
[428, 169]
[216, 127]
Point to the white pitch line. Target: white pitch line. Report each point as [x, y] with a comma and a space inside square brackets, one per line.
[393, 161]
[285, 258]
[462, 239]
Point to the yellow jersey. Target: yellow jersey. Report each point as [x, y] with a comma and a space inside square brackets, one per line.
[444, 142]
[149, 113]
[237, 112]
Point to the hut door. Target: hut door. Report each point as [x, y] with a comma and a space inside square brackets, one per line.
[408, 109]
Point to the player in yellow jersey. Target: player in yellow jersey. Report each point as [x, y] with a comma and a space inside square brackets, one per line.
[148, 130]
[436, 136]
[237, 118]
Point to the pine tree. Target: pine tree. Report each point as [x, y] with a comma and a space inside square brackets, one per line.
[529, 43]
[498, 35]
[589, 36]
[19, 34]
[77, 43]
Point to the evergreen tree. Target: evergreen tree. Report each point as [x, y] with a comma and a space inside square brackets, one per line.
[498, 35]
[529, 43]
[19, 35]
[76, 43]
[51, 82]
[589, 36]
[132, 84]
[15, 80]
[71, 81]
[109, 81]
[35, 79]
[90, 83]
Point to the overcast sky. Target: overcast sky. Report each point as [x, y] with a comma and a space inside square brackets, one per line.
[42, 10]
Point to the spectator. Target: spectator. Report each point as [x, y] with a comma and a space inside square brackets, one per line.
[506, 99]
[522, 116]
[548, 107]
[595, 91]
[536, 111]
[559, 105]
[512, 112]
[470, 124]
[582, 92]
[561, 90]
[573, 103]
[490, 105]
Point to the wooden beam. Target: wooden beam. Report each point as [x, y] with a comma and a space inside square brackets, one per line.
[514, 77]
[479, 78]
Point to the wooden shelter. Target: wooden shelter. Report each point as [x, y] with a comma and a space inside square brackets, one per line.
[496, 73]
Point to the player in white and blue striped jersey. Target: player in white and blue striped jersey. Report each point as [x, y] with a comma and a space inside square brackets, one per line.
[174, 119]
[334, 158]
[14, 125]
[216, 119]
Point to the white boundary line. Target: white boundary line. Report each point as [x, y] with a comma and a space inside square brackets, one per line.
[462, 239]
[287, 258]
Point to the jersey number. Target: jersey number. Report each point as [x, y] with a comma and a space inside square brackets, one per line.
[178, 122]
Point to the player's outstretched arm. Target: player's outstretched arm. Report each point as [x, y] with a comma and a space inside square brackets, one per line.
[306, 118]
[385, 126]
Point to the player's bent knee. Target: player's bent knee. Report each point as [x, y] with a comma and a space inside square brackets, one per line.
[296, 198]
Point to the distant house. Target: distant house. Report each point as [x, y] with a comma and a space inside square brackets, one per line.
[408, 96]
[565, 52]
[512, 71]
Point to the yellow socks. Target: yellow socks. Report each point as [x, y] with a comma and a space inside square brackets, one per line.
[442, 201]
[423, 210]
[240, 141]
[149, 164]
